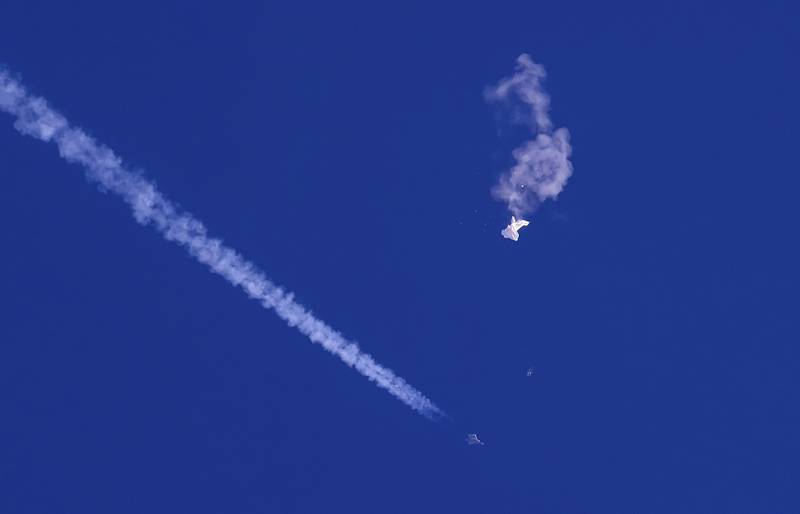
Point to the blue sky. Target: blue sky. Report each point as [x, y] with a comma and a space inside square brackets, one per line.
[657, 297]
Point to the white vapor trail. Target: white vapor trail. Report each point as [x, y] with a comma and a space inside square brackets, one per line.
[35, 118]
[542, 164]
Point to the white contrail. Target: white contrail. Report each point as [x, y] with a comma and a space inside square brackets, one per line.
[542, 164]
[35, 118]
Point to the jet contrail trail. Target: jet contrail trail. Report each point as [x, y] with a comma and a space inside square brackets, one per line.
[35, 118]
[542, 164]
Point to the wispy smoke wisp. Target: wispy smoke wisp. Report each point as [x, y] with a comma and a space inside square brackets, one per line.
[35, 118]
[542, 166]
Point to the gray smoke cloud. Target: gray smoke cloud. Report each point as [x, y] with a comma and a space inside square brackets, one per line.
[542, 166]
[150, 207]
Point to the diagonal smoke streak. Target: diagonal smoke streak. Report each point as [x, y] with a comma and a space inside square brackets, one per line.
[542, 165]
[35, 118]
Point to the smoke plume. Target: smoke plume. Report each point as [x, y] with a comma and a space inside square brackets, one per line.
[542, 166]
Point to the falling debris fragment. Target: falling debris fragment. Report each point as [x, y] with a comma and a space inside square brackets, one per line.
[512, 230]
[473, 439]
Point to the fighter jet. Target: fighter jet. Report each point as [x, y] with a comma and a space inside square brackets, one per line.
[511, 231]
[473, 439]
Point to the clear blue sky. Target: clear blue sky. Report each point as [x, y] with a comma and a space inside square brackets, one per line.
[347, 150]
